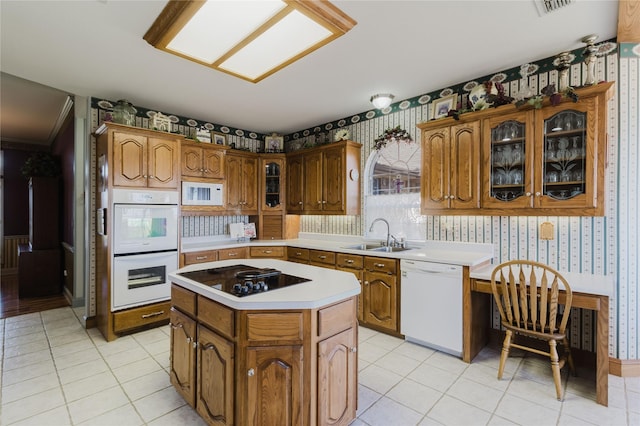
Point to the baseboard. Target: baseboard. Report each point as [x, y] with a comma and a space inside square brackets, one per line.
[624, 367]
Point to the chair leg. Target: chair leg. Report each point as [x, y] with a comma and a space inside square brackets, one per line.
[567, 351]
[555, 368]
[506, 345]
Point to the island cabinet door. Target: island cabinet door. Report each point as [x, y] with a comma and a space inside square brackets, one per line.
[337, 381]
[274, 386]
[215, 378]
[183, 355]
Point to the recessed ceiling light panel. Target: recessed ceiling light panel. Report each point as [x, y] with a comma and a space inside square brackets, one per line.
[248, 39]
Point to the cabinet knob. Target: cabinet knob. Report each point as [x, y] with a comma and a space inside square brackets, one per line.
[451, 197]
[251, 372]
[324, 202]
[538, 194]
[366, 283]
[354, 349]
[528, 194]
[319, 202]
[300, 202]
[446, 197]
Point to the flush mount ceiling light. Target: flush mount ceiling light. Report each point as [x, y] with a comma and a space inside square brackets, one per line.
[248, 39]
[381, 101]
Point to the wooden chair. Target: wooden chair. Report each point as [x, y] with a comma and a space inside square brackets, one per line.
[533, 313]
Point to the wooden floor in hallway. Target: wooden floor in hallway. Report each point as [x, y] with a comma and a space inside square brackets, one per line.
[11, 305]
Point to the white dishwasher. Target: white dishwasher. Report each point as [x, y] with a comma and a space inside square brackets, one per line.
[431, 305]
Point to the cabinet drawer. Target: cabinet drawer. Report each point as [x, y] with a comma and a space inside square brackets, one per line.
[183, 299]
[215, 316]
[352, 261]
[233, 253]
[272, 252]
[139, 317]
[200, 257]
[336, 318]
[324, 257]
[274, 327]
[381, 264]
[296, 254]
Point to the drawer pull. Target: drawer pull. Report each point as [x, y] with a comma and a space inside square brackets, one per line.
[152, 314]
[251, 372]
[267, 251]
[379, 265]
[322, 257]
[232, 254]
[175, 326]
[349, 261]
[201, 257]
[298, 254]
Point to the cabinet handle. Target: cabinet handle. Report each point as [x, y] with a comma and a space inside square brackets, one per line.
[195, 345]
[175, 326]
[379, 265]
[354, 349]
[153, 314]
[349, 261]
[298, 254]
[300, 202]
[446, 197]
[324, 202]
[528, 194]
[319, 202]
[267, 251]
[451, 197]
[538, 194]
[201, 257]
[366, 283]
[232, 254]
[322, 257]
[251, 372]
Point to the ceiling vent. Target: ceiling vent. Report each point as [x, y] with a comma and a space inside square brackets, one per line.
[546, 6]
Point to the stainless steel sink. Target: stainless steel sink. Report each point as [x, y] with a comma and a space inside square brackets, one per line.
[389, 249]
[364, 246]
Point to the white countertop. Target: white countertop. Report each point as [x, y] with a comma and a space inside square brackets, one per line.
[448, 252]
[601, 285]
[327, 286]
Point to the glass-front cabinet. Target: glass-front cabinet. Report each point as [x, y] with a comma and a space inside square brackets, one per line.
[272, 182]
[542, 158]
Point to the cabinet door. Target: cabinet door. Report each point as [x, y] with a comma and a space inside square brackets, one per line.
[464, 158]
[274, 386]
[569, 153]
[435, 170]
[183, 355]
[380, 300]
[313, 182]
[509, 152]
[129, 160]
[212, 163]
[215, 398]
[333, 177]
[272, 179]
[295, 184]
[191, 164]
[250, 185]
[163, 163]
[233, 165]
[337, 378]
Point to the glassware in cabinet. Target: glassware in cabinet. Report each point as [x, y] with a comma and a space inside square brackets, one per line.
[507, 163]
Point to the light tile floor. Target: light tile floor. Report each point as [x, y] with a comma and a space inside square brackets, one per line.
[54, 372]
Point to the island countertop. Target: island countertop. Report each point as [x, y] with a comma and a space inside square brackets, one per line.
[326, 286]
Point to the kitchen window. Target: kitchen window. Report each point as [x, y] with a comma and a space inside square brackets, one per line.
[393, 176]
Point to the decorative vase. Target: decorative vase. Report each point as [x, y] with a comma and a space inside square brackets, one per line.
[590, 59]
[124, 113]
[564, 61]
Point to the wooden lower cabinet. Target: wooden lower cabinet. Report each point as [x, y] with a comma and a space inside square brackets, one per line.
[257, 367]
[216, 384]
[274, 386]
[337, 373]
[183, 355]
[380, 296]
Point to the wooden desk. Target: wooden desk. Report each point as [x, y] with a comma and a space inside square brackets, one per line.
[476, 305]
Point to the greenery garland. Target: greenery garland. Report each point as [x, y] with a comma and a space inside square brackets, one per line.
[396, 134]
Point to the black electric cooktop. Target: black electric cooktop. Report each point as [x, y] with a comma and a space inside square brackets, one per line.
[243, 280]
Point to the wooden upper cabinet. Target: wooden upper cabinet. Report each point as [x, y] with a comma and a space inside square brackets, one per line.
[330, 182]
[200, 160]
[295, 183]
[142, 158]
[272, 183]
[547, 161]
[242, 183]
[451, 169]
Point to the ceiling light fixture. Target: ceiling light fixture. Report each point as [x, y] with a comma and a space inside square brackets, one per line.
[381, 101]
[250, 41]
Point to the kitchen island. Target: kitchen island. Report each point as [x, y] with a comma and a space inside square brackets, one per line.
[282, 356]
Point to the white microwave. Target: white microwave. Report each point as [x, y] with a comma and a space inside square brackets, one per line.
[202, 194]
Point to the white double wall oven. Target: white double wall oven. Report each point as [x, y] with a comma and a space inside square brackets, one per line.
[144, 246]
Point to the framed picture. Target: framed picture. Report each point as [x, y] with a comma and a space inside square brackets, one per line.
[203, 135]
[273, 143]
[219, 138]
[442, 106]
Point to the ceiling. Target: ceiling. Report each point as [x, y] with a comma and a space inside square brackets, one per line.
[94, 48]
